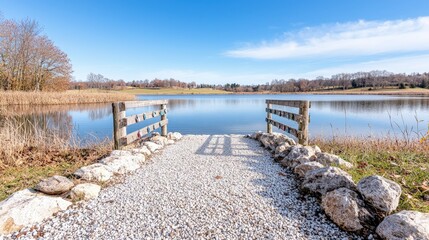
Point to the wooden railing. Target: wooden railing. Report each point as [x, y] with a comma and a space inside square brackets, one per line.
[121, 121]
[302, 118]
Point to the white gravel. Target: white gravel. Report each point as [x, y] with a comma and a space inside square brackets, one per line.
[202, 187]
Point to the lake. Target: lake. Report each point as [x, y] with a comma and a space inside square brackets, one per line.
[331, 115]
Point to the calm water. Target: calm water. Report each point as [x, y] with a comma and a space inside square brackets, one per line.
[361, 116]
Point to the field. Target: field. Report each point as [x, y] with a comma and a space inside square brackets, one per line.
[67, 97]
[403, 162]
[378, 91]
[173, 91]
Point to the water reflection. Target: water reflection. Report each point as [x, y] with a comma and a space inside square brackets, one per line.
[237, 114]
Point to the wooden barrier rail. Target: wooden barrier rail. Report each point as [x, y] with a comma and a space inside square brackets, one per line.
[302, 118]
[121, 121]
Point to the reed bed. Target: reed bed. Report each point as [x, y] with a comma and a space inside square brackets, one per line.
[67, 97]
[29, 153]
[403, 161]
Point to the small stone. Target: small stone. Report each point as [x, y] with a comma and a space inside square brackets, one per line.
[404, 225]
[54, 185]
[85, 191]
[383, 194]
[119, 153]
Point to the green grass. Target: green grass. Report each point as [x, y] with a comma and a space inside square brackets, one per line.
[171, 91]
[408, 165]
[28, 174]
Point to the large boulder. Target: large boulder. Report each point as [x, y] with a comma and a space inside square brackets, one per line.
[409, 225]
[381, 193]
[347, 210]
[85, 191]
[26, 208]
[323, 180]
[282, 151]
[141, 151]
[54, 185]
[95, 172]
[163, 141]
[122, 165]
[298, 155]
[329, 159]
[272, 140]
[303, 168]
[256, 135]
[120, 153]
[153, 147]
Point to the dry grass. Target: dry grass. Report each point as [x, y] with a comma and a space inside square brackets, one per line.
[68, 97]
[405, 162]
[29, 154]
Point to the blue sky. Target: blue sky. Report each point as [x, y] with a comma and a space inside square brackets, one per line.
[248, 42]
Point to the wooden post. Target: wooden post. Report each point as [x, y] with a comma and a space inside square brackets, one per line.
[269, 126]
[164, 117]
[303, 124]
[119, 131]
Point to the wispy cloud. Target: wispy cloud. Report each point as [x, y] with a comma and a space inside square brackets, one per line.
[361, 38]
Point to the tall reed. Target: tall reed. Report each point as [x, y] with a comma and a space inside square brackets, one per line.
[68, 97]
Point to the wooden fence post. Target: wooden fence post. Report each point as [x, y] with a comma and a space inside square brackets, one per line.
[164, 117]
[269, 126]
[119, 131]
[303, 124]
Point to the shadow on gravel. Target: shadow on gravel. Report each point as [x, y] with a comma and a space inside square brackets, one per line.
[278, 186]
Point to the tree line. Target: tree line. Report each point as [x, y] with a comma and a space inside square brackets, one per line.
[29, 60]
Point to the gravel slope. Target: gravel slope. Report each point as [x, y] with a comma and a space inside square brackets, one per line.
[202, 187]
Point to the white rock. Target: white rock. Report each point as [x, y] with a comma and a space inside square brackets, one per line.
[95, 172]
[84, 191]
[383, 194]
[125, 164]
[26, 207]
[152, 146]
[174, 136]
[159, 140]
[298, 155]
[141, 150]
[169, 142]
[329, 159]
[256, 135]
[346, 209]
[323, 180]
[410, 225]
[303, 168]
[54, 185]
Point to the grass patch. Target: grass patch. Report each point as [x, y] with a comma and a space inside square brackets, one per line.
[29, 154]
[173, 91]
[67, 97]
[406, 163]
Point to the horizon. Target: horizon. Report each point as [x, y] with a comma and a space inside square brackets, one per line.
[246, 42]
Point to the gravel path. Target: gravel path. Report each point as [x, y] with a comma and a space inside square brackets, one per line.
[202, 187]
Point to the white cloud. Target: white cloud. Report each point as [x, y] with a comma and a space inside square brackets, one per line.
[361, 38]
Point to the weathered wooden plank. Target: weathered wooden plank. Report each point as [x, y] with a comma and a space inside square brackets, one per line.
[163, 118]
[118, 131]
[140, 133]
[142, 116]
[135, 104]
[289, 103]
[303, 124]
[284, 127]
[269, 126]
[292, 116]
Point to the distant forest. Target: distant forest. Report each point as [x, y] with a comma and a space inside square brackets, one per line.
[343, 81]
